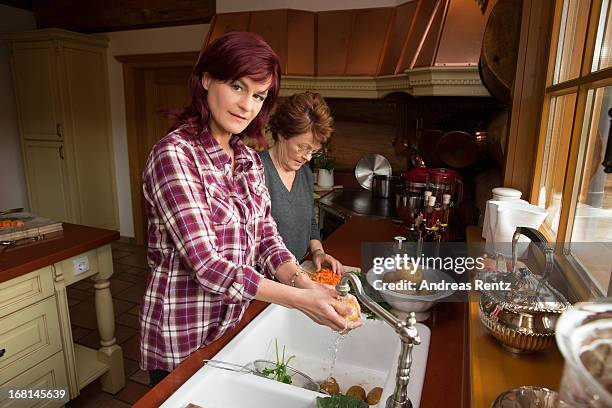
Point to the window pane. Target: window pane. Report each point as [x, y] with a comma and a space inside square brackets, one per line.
[556, 149]
[574, 19]
[603, 55]
[593, 217]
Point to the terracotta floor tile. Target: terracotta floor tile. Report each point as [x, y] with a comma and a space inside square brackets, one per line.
[132, 392]
[139, 271]
[132, 294]
[131, 348]
[74, 293]
[118, 285]
[121, 306]
[129, 320]
[84, 314]
[122, 333]
[131, 368]
[135, 310]
[115, 403]
[79, 332]
[141, 377]
[134, 259]
[120, 253]
[86, 285]
[90, 397]
[119, 267]
[128, 277]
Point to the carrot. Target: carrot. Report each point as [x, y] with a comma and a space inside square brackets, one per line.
[327, 276]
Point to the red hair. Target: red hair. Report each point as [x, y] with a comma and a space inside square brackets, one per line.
[230, 57]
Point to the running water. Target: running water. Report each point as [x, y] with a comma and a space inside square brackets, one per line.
[334, 351]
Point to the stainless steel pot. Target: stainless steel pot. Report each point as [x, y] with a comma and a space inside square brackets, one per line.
[383, 186]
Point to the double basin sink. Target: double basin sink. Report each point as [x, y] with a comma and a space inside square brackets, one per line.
[366, 356]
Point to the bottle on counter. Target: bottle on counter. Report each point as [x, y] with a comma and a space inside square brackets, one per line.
[444, 218]
[431, 222]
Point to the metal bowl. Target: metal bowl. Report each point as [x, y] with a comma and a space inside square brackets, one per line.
[523, 318]
[419, 304]
[514, 340]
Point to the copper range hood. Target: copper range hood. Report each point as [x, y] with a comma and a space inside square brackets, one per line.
[421, 47]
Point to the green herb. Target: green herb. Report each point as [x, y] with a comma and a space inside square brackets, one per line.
[340, 401]
[325, 160]
[279, 372]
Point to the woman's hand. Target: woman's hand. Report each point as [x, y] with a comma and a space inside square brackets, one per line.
[322, 306]
[319, 258]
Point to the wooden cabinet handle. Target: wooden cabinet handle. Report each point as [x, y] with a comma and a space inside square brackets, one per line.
[58, 130]
[61, 152]
[2, 351]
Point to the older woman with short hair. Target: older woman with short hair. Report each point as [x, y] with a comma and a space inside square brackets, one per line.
[301, 125]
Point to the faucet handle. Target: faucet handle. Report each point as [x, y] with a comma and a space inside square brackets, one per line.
[409, 332]
[398, 241]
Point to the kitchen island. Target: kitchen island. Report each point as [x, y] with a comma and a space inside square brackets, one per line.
[35, 330]
[446, 379]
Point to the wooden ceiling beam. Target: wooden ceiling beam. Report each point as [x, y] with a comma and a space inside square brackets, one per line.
[102, 15]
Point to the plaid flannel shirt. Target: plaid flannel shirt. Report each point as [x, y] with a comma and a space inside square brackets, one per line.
[207, 230]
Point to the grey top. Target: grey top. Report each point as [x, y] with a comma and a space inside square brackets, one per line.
[292, 210]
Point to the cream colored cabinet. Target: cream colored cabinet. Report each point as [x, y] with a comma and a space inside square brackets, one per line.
[36, 346]
[47, 179]
[61, 89]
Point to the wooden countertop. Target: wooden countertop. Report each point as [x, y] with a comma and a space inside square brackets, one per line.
[495, 370]
[446, 379]
[73, 240]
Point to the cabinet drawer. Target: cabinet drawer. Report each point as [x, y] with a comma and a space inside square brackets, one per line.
[49, 374]
[28, 337]
[25, 290]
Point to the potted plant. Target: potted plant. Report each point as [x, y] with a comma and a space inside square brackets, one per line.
[325, 163]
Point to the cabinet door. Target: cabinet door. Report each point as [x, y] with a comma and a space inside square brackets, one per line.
[36, 90]
[90, 155]
[46, 177]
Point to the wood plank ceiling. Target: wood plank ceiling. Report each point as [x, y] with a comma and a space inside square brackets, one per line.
[102, 15]
[366, 42]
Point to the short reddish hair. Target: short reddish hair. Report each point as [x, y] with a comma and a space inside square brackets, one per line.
[232, 56]
[301, 113]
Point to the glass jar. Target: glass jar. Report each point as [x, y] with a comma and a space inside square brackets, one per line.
[584, 337]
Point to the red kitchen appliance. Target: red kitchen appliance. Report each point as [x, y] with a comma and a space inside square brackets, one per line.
[438, 180]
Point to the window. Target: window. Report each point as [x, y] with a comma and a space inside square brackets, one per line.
[570, 182]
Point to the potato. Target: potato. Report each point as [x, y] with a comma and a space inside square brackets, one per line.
[357, 392]
[330, 386]
[351, 301]
[374, 396]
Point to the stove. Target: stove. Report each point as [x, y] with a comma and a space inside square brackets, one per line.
[337, 206]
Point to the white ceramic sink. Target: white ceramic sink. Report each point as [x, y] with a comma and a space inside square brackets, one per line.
[367, 356]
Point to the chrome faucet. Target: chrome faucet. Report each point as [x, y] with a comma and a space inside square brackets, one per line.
[537, 237]
[408, 335]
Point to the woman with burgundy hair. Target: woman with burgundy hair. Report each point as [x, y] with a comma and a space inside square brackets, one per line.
[208, 210]
[300, 126]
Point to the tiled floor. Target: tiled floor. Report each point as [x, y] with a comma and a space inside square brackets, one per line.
[127, 288]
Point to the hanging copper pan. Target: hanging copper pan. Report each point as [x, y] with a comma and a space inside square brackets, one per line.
[458, 149]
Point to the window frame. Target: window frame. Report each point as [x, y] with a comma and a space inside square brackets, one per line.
[576, 276]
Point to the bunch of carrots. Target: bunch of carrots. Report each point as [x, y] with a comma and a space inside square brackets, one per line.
[327, 276]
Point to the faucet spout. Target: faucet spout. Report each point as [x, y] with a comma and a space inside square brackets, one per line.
[536, 237]
[406, 330]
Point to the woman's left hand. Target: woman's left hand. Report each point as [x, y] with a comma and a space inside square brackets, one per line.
[319, 258]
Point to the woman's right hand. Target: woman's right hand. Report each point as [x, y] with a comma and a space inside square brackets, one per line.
[321, 304]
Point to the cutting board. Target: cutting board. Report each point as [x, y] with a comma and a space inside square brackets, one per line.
[33, 226]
